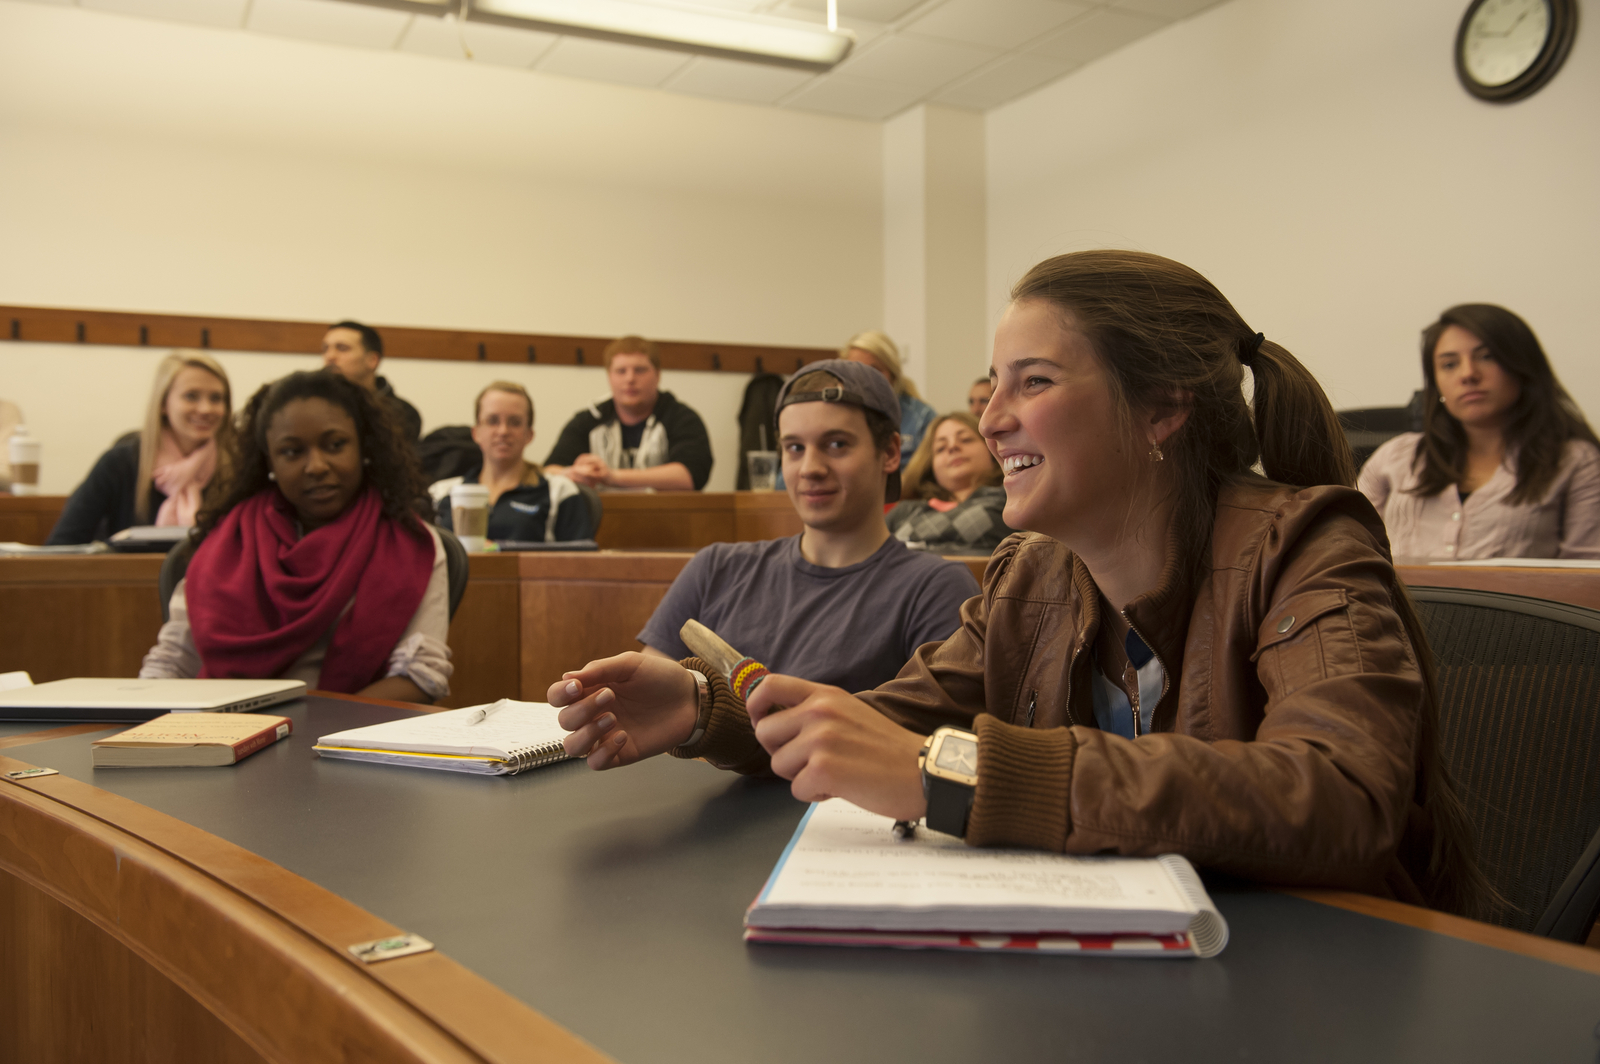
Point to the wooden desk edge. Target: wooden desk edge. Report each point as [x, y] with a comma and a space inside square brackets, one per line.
[1504, 938]
[464, 1008]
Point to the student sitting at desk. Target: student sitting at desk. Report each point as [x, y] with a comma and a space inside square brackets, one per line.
[641, 437]
[1505, 466]
[843, 601]
[156, 477]
[1181, 656]
[317, 564]
[954, 504]
[524, 504]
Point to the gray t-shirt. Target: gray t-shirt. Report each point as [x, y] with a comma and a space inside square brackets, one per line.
[853, 627]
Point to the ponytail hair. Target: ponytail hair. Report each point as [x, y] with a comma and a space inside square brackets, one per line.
[1168, 339]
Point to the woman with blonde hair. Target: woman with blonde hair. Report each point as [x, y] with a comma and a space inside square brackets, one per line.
[952, 501]
[157, 476]
[526, 505]
[875, 349]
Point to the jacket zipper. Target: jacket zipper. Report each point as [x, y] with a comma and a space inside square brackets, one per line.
[1072, 667]
[1166, 678]
[1033, 704]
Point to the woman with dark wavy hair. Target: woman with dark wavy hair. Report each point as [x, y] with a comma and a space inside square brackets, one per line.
[1505, 465]
[324, 523]
[1179, 655]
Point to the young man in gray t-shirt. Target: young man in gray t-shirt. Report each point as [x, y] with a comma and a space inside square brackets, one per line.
[844, 602]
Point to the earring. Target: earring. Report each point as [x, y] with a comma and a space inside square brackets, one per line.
[1155, 452]
[272, 476]
[366, 461]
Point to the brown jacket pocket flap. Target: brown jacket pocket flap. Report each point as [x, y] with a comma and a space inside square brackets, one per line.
[1294, 614]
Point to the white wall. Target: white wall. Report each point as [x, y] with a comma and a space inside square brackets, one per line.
[1322, 165]
[174, 168]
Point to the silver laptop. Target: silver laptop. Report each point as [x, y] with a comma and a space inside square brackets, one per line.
[100, 698]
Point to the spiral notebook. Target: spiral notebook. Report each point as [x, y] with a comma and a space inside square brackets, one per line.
[499, 739]
[845, 880]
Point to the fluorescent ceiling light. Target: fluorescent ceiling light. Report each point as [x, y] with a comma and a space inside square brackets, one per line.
[730, 35]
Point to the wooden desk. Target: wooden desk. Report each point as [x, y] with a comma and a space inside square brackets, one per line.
[152, 915]
[97, 615]
[1575, 587]
[689, 520]
[29, 518]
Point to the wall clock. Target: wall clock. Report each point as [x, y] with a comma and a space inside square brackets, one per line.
[1507, 50]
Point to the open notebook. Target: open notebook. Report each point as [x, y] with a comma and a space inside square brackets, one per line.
[845, 880]
[513, 737]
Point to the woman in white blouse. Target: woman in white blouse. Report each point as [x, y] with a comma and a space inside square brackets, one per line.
[1505, 466]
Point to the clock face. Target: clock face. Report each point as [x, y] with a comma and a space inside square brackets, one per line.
[958, 754]
[1503, 39]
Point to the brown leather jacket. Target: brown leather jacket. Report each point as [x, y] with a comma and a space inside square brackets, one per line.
[1283, 748]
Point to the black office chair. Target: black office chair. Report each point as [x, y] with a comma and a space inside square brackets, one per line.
[173, 567]
[596, 510]
[177, 563]
[1371, 427]
[455, 565]
[1519, 688]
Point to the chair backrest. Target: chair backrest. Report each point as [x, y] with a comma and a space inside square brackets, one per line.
[173, 566]
[596, 509]
[455, 564]
[1519, 688]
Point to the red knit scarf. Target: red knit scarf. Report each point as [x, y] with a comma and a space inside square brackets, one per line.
[259, 595]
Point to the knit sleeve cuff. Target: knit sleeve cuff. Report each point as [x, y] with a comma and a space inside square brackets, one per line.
[727, 738]
[1024, 786]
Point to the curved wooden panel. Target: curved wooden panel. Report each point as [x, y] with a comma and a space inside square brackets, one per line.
[254, 955]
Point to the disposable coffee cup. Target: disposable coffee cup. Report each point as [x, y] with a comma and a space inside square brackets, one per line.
[763, 467]
[469, 512]
[23, 454]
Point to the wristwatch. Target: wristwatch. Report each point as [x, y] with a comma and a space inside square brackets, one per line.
[949, 764]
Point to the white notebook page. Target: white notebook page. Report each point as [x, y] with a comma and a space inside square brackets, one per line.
[514, 726]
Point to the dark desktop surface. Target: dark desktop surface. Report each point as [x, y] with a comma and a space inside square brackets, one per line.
[612, 903]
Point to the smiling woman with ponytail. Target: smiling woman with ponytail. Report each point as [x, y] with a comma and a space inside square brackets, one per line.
[1180, 655]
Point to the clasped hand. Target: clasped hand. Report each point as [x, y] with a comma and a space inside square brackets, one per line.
[590, 470]
[827, 743]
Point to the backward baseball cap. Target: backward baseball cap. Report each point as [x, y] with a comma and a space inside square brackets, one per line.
[859, 385]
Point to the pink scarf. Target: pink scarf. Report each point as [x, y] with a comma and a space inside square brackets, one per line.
[259, 595]
[181, 478]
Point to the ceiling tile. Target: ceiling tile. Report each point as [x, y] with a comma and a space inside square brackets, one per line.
[332, 23]
[871, 10]
[628, 64]
[915, 63]
[997, 23]
[1095, 35]
[729, 79]
[839, 94]
[865, 30]
[1168, 9]
[495, 45]
[1005, 81]
[226, 13]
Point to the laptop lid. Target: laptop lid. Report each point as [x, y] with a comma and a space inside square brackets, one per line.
[93, 698]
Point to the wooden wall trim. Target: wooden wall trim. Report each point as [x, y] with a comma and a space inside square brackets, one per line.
[257, 946]
[58, 325]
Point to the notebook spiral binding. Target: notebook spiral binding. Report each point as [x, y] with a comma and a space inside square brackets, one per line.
[525, 757]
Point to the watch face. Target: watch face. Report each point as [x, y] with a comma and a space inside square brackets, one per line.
[957, 756]
[1503, 39]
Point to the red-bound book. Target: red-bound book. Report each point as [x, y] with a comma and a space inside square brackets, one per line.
[183, 739]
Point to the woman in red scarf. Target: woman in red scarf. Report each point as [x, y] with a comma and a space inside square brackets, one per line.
[317, 564]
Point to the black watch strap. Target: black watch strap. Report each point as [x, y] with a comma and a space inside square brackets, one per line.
[949, 806]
